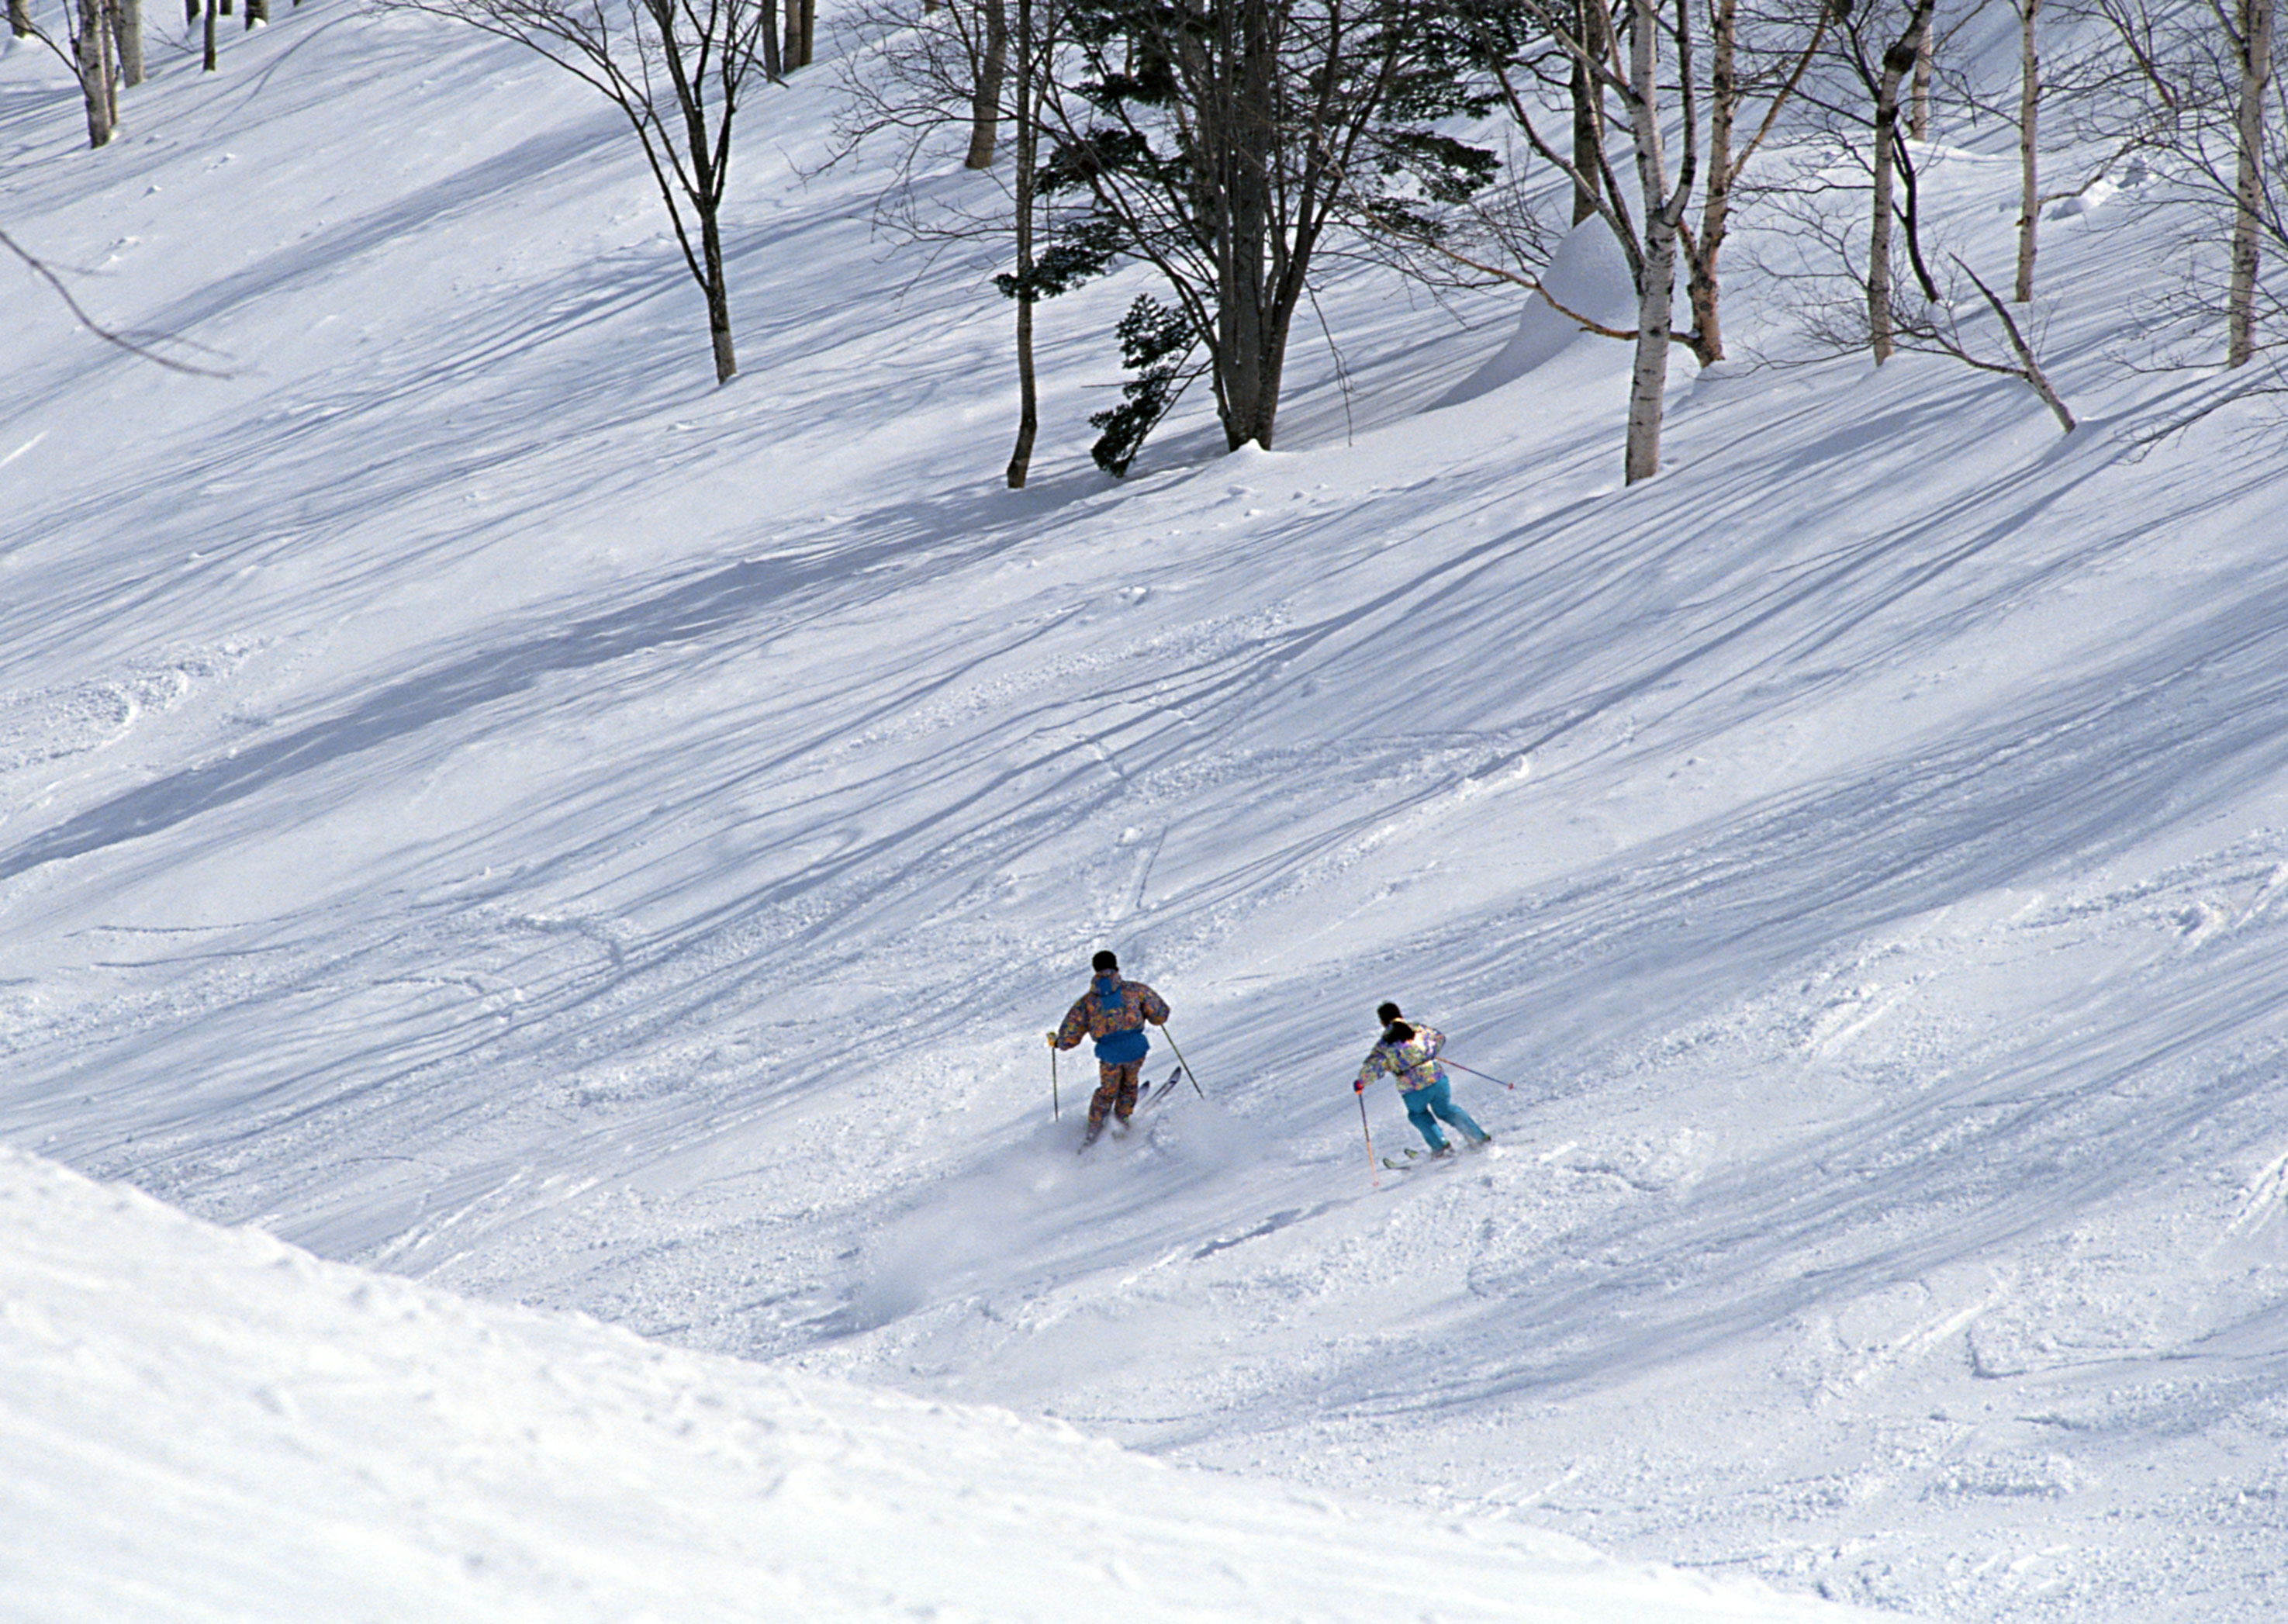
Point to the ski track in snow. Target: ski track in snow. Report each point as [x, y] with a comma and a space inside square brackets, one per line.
[476, 803]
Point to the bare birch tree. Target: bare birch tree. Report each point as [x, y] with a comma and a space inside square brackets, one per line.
[91, 42]
[679, 71]
[1738, 75]
[979, 65]
[2250, 32]
[2030, 163]
[2198, 76]
[126, 16]
[1918, 117]
[1881, 45]
[1650, 230]
[992, 70]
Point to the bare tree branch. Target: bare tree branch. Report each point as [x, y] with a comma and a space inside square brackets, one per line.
[134, 346]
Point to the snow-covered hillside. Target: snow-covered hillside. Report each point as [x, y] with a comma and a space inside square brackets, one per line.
[205, 1424]
[477, 802]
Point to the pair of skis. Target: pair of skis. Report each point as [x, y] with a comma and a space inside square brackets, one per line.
[1407, 1161]
[1146, 1096]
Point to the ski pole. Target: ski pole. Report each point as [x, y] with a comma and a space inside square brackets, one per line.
[1474, 1072]
[1373, 1167]
[1187, 1064]
[1056, 1107]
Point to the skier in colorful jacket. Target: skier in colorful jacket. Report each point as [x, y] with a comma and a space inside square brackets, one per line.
[1113, 1012]
[1408, 1052]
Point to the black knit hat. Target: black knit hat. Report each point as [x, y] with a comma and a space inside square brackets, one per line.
[1386, 1013]
[1105, 961]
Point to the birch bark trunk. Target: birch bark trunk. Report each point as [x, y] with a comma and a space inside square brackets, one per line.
[985, 95]
[2029, 107]
[1898, 62]
[1919, 124]
[1588, 96]
[92, 62]
[2255, 60]
[1701, 286]
[127, 28]
[1656, 281]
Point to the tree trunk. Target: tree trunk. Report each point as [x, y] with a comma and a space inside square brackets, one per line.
[985, 97]
[1588, 94]
[1251, 334]
[20, 18]
[1020, 459]
[1648, 378]
[2030, 105]
[718, 296]
[108, 59]
[257, 11]
[1701, 286]
[92, 61]
[801, 24]
[211, 56]
[774, 64]
[2255, 63]
[1918, 125]
[127, 28]
[1898, 62]
[1656, 280]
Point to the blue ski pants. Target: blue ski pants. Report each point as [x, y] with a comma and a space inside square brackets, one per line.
[1437, 1101]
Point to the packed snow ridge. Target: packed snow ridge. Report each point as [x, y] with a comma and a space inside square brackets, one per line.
[572, 847]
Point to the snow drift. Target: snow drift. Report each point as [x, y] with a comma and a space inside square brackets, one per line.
[197, 1423]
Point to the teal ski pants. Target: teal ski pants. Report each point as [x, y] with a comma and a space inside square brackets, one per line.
[1425, 1108]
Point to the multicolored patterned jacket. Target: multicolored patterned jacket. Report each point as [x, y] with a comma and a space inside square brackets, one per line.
[1123, 1020]
[1414, 1062]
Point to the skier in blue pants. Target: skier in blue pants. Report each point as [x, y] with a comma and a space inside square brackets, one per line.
[1408, 1052]
[1112, 1011]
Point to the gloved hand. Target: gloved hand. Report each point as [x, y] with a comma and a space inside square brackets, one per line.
[1359, 1087]
[1052, 1040]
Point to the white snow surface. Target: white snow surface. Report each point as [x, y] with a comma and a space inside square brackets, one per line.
[480, 805]
[209, 1423]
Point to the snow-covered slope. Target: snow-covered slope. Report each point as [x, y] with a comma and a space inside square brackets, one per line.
[480, 802]
[205, 1424]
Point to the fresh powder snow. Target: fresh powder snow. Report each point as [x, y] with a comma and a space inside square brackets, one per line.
[208, 1424]
[562, 843]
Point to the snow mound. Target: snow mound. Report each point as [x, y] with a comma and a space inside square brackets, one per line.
[200, 1422]
[1589, 278]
